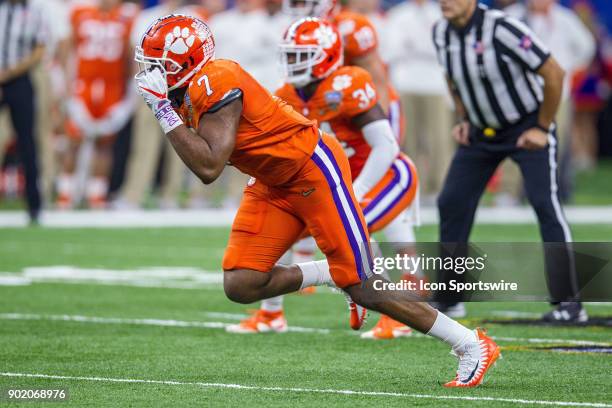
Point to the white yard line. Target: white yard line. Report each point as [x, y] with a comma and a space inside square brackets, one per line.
[598, 304]
[144, 322]
[514, 314]
[224, 218]
[222, 325]
[149, 277]
[552, 341]
[227, 316]
[306, 390]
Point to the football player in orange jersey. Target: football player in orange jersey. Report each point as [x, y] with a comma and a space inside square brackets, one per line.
[360, 49]
[301, 182]
[343, 100]
[101, 103]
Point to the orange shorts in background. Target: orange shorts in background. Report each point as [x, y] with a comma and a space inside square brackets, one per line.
[392, 195]
[319, 199]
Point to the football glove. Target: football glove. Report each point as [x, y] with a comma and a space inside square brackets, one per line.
[152, 86]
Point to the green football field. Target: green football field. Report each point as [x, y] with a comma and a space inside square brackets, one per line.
[136, 317]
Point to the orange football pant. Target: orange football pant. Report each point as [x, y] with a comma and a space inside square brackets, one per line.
[320, 200]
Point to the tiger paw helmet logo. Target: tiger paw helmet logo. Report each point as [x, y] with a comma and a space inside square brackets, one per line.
[325, 36]
[178, 41]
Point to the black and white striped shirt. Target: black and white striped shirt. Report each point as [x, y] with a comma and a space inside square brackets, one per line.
[492, 64]
[22, 28]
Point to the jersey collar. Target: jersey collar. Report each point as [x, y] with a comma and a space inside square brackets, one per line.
[476, 19]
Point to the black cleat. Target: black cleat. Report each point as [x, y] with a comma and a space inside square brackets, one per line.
[566, 312]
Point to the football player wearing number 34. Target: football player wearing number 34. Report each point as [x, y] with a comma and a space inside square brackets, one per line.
[235, 120]
[344, 101]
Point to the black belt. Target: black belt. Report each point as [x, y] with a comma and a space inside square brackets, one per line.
[503, 135]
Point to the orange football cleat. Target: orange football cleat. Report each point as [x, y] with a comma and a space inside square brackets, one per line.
[475, 361]
[357, 314]
[310, 290]
[97, 203]
[64, 202]
[261, 321]
[387, 329]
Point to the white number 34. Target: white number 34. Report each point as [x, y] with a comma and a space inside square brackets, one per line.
[365, 95]
[204, 78]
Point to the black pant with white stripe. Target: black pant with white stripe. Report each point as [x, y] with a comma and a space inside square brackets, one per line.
[18, 96]
[471, 169]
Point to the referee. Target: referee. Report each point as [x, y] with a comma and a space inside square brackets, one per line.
[506, 87]
[21, 48]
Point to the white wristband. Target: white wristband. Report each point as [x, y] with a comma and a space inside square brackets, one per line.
[166, 116]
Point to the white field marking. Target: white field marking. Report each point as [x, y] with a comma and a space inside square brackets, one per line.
[14, 279]
[599, 304]
[170, 277]
[143, 322]
[534, 340]
[224, 218]
[552, 341]
[158, 277]
[307, 390]
[221, 325]
[514, 314]
[228, 316]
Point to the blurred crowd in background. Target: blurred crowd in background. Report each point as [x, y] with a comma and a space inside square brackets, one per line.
[98, 146]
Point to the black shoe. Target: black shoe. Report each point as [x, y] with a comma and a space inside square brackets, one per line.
[567, 312]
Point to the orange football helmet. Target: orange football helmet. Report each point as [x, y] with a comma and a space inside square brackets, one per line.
[177, 44]
[309, 8]
[311, 50]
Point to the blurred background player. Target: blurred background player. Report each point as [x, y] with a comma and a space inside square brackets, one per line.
[343, 101]
[101, 102]
[360, 42]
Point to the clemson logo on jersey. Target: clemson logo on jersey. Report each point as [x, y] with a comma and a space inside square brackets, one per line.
[325, 36]
[342, 82]
[178, 41]
[346, 27]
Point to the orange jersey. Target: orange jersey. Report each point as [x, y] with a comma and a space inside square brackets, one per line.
[101, 47]
[359, 38]
[101, 39]
[358, 34]
[340, 97]
[273, 141]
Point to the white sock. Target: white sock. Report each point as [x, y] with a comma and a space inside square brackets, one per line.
[65, 184]
[97, 187]
[452, 332]
[274, 304]
[315, 273]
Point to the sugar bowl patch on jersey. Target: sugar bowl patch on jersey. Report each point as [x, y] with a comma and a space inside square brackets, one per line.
[333, 99]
